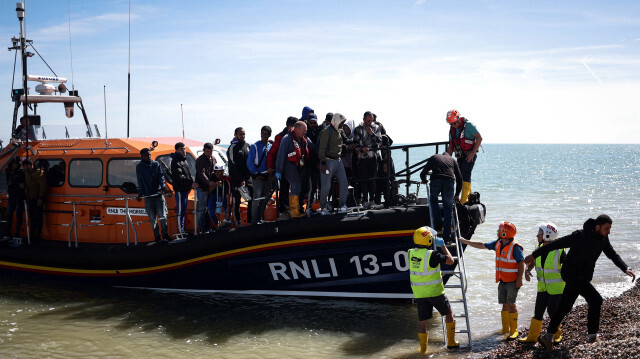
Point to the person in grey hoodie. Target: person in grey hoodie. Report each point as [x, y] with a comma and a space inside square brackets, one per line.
[330, 145]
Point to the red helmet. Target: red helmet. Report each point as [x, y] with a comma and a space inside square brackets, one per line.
[453, 116]
[506, 230]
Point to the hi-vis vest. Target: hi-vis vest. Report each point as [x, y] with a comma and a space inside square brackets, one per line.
[506, 265]
[426, 281]
[549, 278]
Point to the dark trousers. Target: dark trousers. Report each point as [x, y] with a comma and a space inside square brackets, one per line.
[236, 202]
[572, 290]
[35, 218]
[466, 167]
[548, 302]
[367, 171]
[17, 206]
[283, 195]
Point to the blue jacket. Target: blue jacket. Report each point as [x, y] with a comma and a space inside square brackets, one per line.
[150, 178]
[256, 152]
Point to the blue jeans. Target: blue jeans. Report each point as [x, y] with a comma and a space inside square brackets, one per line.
[336, 169]
[206, 209]
[182, 200]
[446, 188]
[157, 207]
[466, 167]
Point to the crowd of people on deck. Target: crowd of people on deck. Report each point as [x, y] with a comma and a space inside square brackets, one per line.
[305, 162]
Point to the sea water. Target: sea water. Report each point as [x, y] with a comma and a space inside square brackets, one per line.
[523, 184]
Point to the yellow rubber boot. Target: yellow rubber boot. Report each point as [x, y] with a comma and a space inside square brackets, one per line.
[466, 190]
[451, 335]
[505, 322]
[513, 326]
[424, 342]
[557, 338]
[534, 332]
[294, 207]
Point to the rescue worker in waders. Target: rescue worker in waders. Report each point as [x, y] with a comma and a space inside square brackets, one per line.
[550, 283]
[464, 140]
[509, 270]
[293, 152]
[427, 285]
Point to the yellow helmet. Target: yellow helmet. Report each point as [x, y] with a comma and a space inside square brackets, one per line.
[424, 236]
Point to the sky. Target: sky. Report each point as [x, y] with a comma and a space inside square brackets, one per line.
[521, 71]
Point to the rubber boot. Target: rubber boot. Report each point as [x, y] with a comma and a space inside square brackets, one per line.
[294, 206]
[466, 190]
[557, 338]
[534, 331]
[513, 326]
[505, 322]
[424, 339]
[451, 335]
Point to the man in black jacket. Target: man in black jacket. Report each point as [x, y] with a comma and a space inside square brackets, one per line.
[15, 191]
[239, 173]
[585, 246]
[182, 182]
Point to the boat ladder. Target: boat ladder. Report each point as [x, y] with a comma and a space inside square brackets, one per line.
[458, 302]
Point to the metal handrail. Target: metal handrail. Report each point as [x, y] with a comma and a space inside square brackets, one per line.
[92, 149]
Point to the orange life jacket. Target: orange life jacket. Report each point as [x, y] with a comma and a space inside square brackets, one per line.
[506, 265]
[300, 152]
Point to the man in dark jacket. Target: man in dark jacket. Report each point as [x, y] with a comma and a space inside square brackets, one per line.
[151, 186]
[367, 138]
[182, 182]
[239, 173]
[35, 193]
[15, 190]
[205, 182]
[257, 164]
[585, 247]
[445, 172]
[283, 187]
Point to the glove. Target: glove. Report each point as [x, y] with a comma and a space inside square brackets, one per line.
[439, 242]
[278, 175]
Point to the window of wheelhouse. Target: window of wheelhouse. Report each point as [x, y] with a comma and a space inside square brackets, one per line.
[121, 171]
[54, 170]
[191, 161]
[85, 172]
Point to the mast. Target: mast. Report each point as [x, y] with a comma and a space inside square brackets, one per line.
[23, 44]
[129, 73]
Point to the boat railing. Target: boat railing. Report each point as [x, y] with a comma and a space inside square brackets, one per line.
[74, 225]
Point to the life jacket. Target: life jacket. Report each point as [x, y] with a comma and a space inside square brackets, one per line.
[506, 265]
[460, 144]
[549, 278]
[299, 153]
[426, 281]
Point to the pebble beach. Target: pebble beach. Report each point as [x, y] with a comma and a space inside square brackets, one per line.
[619, 335]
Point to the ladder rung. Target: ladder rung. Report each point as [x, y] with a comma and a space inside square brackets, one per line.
[462, 331]
[457, 301]
[453, 286]
[460, 316]
[449, 272]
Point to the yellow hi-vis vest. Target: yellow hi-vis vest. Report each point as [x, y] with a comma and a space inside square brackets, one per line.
[549, 278]
[426, 281]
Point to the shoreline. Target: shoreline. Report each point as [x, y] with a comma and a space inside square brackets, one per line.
[619, 335]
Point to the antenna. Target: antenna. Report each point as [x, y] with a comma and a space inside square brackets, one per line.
[182, 113]
[106, 131]
[129, 73]
[70, 52]
[23, 44]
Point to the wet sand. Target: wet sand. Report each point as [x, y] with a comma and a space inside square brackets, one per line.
[619, 335]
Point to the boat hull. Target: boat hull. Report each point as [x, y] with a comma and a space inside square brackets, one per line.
[337, 255]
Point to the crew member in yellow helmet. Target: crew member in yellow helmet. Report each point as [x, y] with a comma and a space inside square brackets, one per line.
[509, 270]
[427, 285]
[550, 282]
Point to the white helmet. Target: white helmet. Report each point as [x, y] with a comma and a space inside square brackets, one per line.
[549, 231]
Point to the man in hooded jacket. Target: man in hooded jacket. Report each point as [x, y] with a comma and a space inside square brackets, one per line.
[330, 145]
[182, 182]
[585, 247]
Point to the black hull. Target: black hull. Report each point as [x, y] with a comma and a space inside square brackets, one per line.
[337, 255]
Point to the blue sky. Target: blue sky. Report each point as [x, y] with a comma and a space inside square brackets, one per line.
[522, 71]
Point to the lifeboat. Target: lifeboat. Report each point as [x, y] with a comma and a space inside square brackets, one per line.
[96, 233]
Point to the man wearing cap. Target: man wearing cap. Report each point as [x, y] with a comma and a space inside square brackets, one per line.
[151, 186]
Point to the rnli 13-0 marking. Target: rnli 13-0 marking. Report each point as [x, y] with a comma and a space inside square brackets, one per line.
[367, 264]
